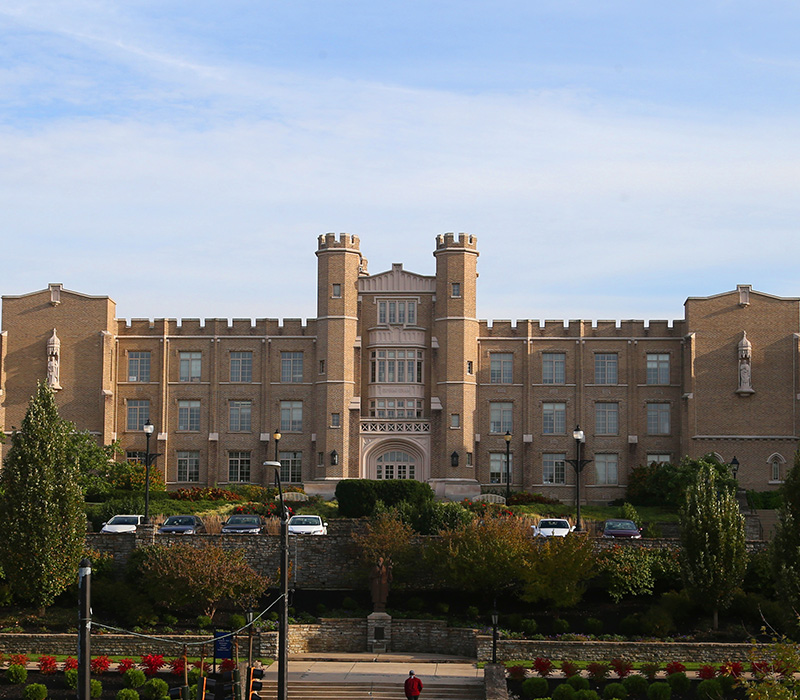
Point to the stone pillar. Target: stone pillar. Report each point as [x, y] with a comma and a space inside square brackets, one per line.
[379, 632]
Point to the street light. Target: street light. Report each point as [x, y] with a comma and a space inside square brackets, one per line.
[578, 464]
[148, 431]
[283, 610]
[495, 616]
[277, 437]
[507, 438]
[734, 464]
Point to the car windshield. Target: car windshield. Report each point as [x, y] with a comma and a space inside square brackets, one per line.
[305, 520]
[243, 520]
[124, 520]
[554, 523]
[179, 520]
[620, 525]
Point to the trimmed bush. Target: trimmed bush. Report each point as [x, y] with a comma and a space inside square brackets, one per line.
[356, 497]
[16, 674]
[578, 682]
[535, 688]
[615, 691]
[560, 625]
[71, 678]
[709, 689]
[35, 691]
[155, 689]
[587, 695]
[127, 694]
[134, 678]
[564, 692]
[659, 691]
[236, 621]
[678, 682]
[636, 684]
[95, 688]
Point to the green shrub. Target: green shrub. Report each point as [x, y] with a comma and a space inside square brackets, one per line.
[155, 689]
[535, 688]
[709, 689]
[593, 625]
[71, 678]
[529, 626]
[472, 612]
[95, 688]
[193, 675]
[615, 691]
[659, 691]
[167, 619]
[393, 492]
[629, 512]
[587, 694]
[657, 622]
[560, 625]
[578, 682]
[356, 497]
[134, 678]
[236, 621]
[635, 684]
[203, 622]
[34, 691]
[431, 517]
[679, 682]
[564, 691]
[16, 674]
[127, 694]
[727, 683]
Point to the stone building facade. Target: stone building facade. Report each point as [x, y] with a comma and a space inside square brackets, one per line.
[398, 378]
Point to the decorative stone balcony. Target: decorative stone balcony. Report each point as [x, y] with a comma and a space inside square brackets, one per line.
[380, 425]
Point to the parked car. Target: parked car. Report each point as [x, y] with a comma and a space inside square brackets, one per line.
[182, 525]
[622, 529]
[122, 523]
[243, 525]
[307, 525]
[552, 527]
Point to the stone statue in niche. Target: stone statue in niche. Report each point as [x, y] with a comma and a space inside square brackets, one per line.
[745, 366]
[53, 361]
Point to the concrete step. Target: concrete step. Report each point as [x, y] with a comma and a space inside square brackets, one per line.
[314, 690]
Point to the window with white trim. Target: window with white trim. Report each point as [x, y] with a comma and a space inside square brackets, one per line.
[190, 366]
[138, 414]
[658, 458]
[291, 416]
[657, 368]
[336, 290]
[554, 469]
[397, 311]
[291, 467]
[605, 466]
[554, 418]
[501, 417]
[188, 465]
[658, 419]
[336, 420]
[776, 470]
[395, 464]
[241, 366]
[606, 418]
[396, 366]
[239, 466]
[189, 416]
[501, 368]
[605, 368]
[497, 467]
[395, 408]
[455, 290]
[240, 416]
[135, 457]
[554, 367]
[455, 420]
[139, 366]
[291, 367]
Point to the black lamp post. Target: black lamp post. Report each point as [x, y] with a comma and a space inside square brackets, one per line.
[283, 610]
[734, 464]
[507, 438]
[277, 437]
[578, 464]
[148, 431]
[495, 617]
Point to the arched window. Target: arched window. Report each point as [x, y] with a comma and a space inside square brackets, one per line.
[395, 464]
[776, 467]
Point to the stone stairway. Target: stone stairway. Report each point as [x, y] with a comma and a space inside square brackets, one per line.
[315, 690]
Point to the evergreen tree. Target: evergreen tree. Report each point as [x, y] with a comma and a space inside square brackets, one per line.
[785, 547]
[713, 557]
[42, 522]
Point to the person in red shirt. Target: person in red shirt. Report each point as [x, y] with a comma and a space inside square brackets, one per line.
[412, 686]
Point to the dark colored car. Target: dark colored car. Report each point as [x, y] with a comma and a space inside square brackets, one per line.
[182, 525]
[242, 525]
[622, 529]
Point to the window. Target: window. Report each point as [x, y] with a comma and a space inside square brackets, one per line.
[291, 416]
[554, 418]
[138, 414]
[776, 470]
[336, 291]
[395, 464]
[396, 366]
[322, 366]
[291, 467]
[135, 457]
[497, 467]
[188, 466]
[291, 367]
[606, 418]
[401, 311]
[606, 469]
[238, 466]
[395, 408]
[500, 371]
[500, 417]
[455, 420]
[658, 419]
[320, 459]
[469, 459]
[190, 364]
[605, 368]
[241, 366]
[469, 367]
[455, 290]
[553, 367]
[658, 458]
[554, 469]
[138, 366]
[657, 368]
[239, 413]
[189, 415]
[336, 420]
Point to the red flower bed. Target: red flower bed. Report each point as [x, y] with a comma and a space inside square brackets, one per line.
[47, 664]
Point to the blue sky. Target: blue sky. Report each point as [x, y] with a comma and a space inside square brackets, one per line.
[613, 158]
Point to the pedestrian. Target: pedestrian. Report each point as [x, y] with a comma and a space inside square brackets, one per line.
[412, 686]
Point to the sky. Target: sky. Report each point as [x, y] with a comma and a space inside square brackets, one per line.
[613, 158]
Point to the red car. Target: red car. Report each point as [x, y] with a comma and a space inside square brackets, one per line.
[622, 529]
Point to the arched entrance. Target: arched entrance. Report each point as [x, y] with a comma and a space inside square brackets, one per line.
[395, 464]
[395, 458]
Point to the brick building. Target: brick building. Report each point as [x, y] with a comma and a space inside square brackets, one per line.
[397, 378]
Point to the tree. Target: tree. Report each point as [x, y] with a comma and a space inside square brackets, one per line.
[560, 570]
[785, 547]
[199, 578]
[713, 558]
[42, 522]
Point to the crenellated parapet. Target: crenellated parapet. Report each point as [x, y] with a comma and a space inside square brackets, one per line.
[329, 241]
[216, 327]
[460, 241]
[582, 329]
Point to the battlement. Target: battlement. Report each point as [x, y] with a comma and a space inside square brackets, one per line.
[461, 241]
[346, 241]
[582, 329]
[216, 327]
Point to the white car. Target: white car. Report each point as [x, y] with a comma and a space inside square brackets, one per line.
[552, 527]
[307, 525]
[123, 523]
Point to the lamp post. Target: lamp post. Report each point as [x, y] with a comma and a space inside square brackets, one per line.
[507, 438]
[148, 431]
[495, 616]
[734, 464]
[578, 464]
[283, 610]
[277, 437]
